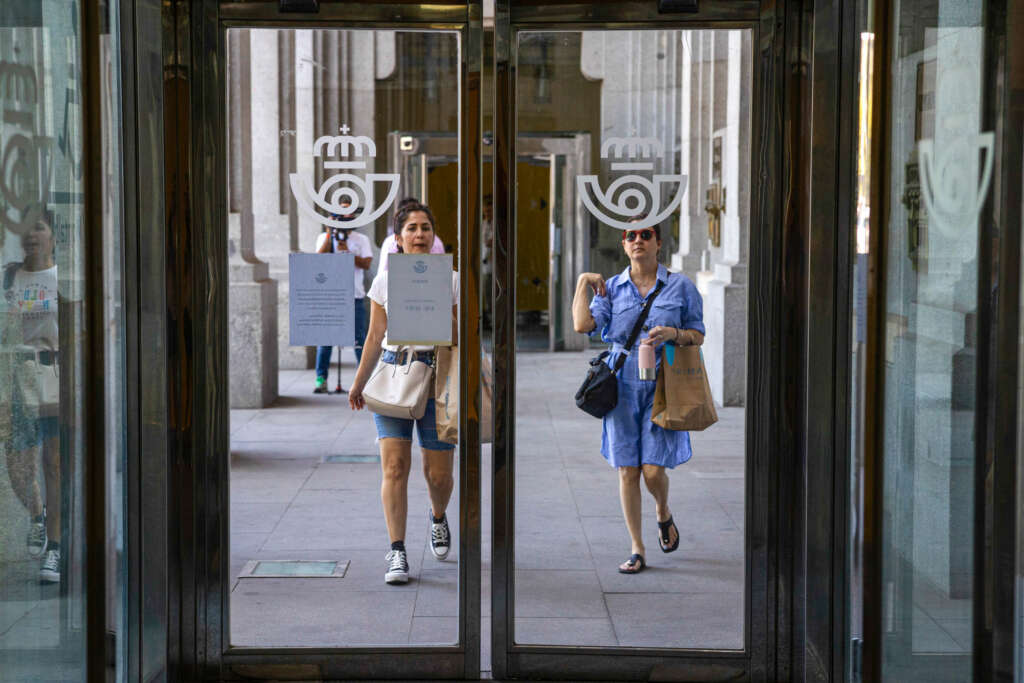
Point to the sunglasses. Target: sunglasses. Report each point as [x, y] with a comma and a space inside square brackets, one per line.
[630, 235]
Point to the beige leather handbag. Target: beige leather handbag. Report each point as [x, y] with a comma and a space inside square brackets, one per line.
[400, 390]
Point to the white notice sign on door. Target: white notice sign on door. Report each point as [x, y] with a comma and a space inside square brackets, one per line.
[420, 299]
[321, 300]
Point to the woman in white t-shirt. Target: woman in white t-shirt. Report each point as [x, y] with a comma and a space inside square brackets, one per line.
[414, 234]
[29, 347]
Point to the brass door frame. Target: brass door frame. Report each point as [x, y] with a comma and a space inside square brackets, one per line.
[769, 547]
[195, 148]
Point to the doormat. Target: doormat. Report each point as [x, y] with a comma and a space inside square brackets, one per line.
[294, 569]
[351, 458]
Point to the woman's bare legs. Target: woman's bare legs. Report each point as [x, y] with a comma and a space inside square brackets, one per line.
[51, 471]
[437, 470]
[395, 461]
[656, 479]
[629, 496]
[21, 470]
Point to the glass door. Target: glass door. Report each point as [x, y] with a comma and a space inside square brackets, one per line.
[337, 543]
[662, 112]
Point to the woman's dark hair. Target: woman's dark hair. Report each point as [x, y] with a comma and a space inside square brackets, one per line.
[406, 207]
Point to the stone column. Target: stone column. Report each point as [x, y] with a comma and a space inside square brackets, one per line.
[297, 71]
[252, 293]
[723, 279]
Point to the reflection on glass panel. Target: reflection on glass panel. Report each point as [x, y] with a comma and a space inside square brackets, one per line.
[113, 288]
[941, 160]
[858, 345]
[42, 552]
[631, 171]
[1019, 583]
[343, 152]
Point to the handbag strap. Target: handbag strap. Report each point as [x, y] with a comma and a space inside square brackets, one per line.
[637, 326]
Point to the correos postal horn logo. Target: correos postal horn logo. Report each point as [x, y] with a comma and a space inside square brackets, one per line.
[632, 196]
[344, 193]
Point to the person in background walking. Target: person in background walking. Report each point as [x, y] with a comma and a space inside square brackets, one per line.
[345, 241]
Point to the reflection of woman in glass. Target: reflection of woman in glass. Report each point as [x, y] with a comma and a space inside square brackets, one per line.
[630, 441]
[30, 347]
[414, 234]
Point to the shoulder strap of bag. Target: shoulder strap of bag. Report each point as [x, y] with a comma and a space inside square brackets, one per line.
[637, 326]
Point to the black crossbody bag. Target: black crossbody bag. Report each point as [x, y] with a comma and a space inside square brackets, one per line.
[599, 393]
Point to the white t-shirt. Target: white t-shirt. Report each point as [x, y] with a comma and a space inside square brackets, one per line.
[379, 294]
[358, 245]
[33, 297]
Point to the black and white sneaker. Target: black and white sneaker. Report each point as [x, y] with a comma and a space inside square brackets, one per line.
[49, 572]
[440, 536]
[37, 538]
[398, 567]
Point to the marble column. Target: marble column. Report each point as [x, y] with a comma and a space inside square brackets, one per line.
[722, 280]
[253, 374]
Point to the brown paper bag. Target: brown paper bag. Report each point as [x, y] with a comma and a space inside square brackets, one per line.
[682, 397]
[446, 396]
[446, 393]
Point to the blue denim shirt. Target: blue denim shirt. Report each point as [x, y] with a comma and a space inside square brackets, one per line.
[679, 305]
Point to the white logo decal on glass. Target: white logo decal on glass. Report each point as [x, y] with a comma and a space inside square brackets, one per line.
[344, 194]
[631, 196]
[952, 193]
[26, 160]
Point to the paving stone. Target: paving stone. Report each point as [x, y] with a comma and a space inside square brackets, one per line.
[680, 620]
[308, 614]
[560, 631]
[437, 593]
[928, 637]
[38, 629]
[434, 631]
[11, 611]
[559, 593]
[255, 517]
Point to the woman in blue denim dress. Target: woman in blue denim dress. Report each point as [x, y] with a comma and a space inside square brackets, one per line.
[630, 442]
[414, 234]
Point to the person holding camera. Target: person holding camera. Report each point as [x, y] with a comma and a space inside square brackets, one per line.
[345, 241]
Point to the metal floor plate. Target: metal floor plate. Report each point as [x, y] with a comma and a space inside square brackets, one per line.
[351, 458]
[294, 569]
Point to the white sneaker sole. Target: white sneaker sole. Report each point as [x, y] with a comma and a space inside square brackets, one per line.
[396, 577]
[48, 576]
[440, 555]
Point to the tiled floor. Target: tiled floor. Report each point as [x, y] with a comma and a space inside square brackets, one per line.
[288, 503]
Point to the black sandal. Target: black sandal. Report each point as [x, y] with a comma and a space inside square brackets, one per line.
[634, 565]
[664, 536]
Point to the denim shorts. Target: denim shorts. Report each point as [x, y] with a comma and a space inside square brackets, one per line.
[400, 428]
